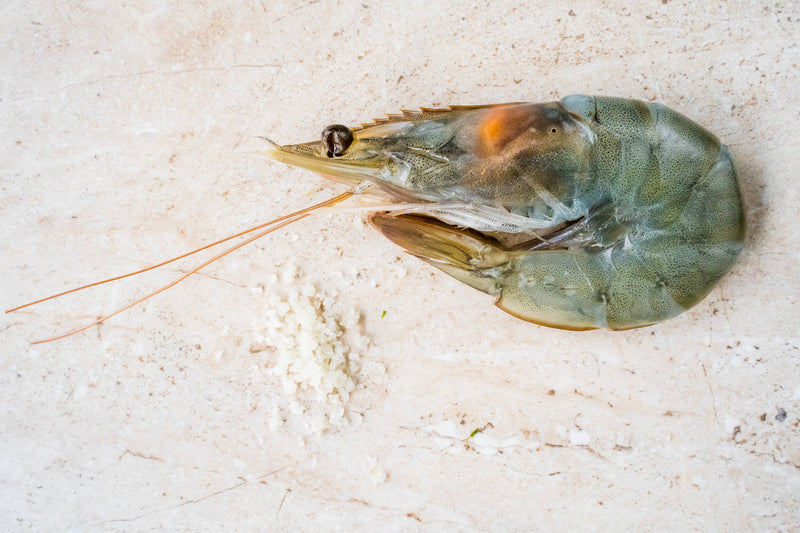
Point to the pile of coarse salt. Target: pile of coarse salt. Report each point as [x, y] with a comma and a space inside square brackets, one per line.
[313, 344]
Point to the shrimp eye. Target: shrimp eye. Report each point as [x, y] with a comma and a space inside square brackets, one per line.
[336, 139]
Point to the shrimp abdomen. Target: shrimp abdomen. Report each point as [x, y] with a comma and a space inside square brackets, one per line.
[674, 187]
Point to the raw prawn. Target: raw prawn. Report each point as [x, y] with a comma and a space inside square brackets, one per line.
[591, 212]
[586, 213]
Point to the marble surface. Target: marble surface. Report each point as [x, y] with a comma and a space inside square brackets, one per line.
[130, 136]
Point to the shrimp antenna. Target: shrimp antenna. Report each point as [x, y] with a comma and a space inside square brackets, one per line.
[270, 141]
[276, 224]
[326, 203]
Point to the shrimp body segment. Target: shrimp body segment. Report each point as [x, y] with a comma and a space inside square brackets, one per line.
[591, 212]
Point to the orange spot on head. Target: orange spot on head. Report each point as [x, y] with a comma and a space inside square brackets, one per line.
[501, 125]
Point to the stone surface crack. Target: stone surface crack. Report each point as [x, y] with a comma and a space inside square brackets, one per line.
[711, 391]
[241, 483]
[139, 454]
[298, 8]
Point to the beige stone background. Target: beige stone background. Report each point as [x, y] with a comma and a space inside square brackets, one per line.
[128, 137]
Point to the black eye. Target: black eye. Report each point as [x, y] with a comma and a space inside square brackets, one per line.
[336, 139]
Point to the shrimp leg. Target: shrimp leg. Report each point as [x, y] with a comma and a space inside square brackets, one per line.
[548, 287]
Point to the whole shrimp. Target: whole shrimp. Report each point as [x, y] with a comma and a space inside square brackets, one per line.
[591, 212]
[586, 213]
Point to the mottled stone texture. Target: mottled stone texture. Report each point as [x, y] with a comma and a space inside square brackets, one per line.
[130, 136]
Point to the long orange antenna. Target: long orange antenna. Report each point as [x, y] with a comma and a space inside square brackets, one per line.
[280, 222]
[326, 203]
